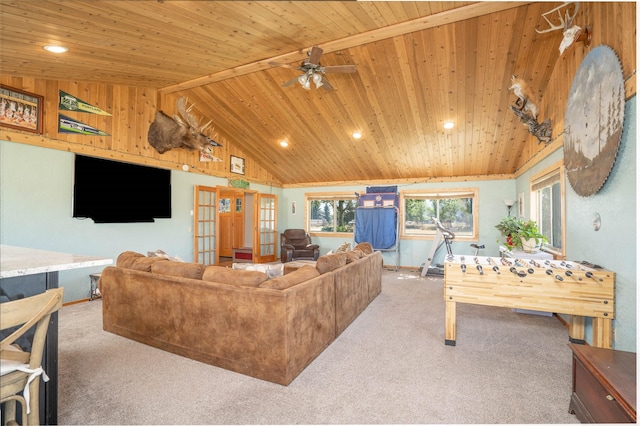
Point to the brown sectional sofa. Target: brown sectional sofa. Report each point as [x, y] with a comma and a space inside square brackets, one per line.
[239, 320]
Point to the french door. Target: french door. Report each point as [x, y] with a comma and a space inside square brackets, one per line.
[265, 234]
[217, 228]
[205, 225]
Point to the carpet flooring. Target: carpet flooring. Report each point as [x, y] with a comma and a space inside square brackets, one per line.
[390, 366]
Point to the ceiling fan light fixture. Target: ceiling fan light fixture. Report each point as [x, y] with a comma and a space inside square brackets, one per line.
[317, 80]
[304, 82]
[448, 125]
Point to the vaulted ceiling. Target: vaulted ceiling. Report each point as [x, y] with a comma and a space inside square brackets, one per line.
[419, 64]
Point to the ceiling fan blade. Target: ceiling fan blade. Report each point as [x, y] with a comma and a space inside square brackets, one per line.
[341, 68]
[290, 82]
[277, 64]
[314, 55]
[325, 85]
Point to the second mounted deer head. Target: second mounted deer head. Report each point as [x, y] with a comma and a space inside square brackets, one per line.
[570, 33]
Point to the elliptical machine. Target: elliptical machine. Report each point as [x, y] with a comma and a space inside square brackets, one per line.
[443, 236]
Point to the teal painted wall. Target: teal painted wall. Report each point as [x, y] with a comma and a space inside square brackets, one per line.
[614, 246]
[36, 187]
[36, 197]
[413, 253]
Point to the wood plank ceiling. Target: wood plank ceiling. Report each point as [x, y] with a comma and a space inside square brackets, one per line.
[419, 64]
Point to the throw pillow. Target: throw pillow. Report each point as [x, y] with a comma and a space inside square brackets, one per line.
[272, 270]
[329, 262]
[220, 274]
[343, 248]
[366, 248]
[179, 269]
[137, 261]
[302, 274]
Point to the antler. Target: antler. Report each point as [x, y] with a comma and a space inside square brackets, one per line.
[564, 23]
[185, 112]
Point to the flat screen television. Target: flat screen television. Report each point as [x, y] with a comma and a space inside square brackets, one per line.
[115, 192]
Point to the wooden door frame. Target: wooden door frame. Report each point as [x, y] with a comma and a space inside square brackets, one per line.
[227, 189]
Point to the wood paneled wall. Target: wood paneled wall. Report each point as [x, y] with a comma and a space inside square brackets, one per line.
[133, 108]
[610, 25]
[132, 111]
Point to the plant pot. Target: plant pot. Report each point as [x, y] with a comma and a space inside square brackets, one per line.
[531, 245]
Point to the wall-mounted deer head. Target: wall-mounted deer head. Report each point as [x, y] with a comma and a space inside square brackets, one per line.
[570, 33]
[181, 131]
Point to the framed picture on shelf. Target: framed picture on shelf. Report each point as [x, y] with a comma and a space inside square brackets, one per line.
[20, 110]
[237, 165]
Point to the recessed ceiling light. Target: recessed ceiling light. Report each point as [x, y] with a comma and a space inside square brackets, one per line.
[284, 144]
[356, 135]
[55, 49]
[448, 125]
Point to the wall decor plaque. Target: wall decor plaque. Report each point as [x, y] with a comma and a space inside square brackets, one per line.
[593, 121]
[20, 110]
[237, 165]
[238, 183]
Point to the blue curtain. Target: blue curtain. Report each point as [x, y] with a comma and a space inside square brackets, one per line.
[376, 226]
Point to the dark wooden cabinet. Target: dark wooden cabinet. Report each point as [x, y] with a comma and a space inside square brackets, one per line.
[604, 385]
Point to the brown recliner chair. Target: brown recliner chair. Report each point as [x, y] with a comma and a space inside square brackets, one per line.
[296, 244]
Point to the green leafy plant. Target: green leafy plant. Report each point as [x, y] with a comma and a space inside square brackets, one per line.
[515, 229]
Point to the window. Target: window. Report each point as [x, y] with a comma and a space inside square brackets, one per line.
[547, 206]
[331, 213]
[456, 210]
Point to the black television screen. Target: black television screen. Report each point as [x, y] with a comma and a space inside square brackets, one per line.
[114, 192]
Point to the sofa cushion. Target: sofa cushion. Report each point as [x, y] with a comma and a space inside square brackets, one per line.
[179, 269]
[354, 255]
[220, 274]
[137, 261]
[366, 248]
[300, 275]
[329, 262]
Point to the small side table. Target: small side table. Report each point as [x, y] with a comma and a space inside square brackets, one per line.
[243, 254]
[604, 385]
[94, 294]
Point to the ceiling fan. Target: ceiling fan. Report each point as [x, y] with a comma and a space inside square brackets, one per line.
[313, 71]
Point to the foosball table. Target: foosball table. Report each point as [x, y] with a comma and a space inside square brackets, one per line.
[578, 289]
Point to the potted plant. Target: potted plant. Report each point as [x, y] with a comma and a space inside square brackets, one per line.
[521, 234]
[530, 237]
[509, 227]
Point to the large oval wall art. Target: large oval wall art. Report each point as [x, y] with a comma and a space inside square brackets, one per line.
[593, 121]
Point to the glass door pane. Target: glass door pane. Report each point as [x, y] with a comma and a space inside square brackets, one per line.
[204, 225]
[266, 228]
